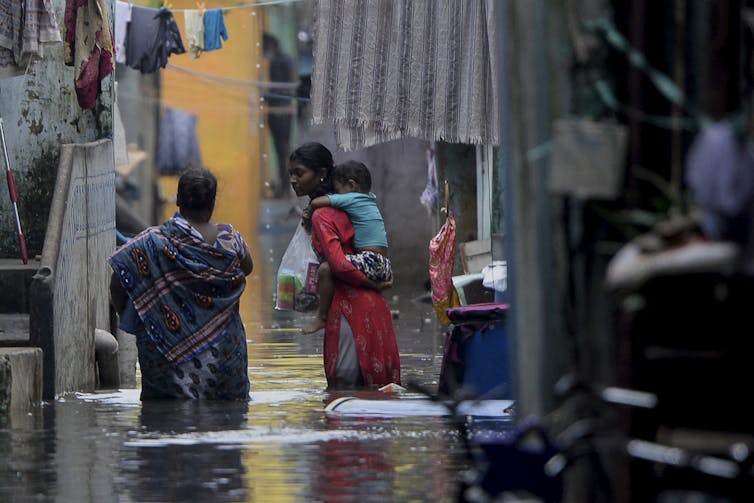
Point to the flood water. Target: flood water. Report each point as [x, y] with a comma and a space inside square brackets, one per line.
[108, 446]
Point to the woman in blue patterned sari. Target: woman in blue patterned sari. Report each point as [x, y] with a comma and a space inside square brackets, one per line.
[177, 288]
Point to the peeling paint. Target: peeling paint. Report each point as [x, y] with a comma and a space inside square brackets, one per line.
[41, 112]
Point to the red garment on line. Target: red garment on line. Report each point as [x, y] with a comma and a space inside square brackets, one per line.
[89, 47]
[366, 310]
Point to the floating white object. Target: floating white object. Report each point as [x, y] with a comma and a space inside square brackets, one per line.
[352, 406]
[392, 388]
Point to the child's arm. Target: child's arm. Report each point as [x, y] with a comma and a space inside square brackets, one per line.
[306, 215]
[319, 202]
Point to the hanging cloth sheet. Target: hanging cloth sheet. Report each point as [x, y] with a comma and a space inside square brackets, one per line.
[389, 69]
[178, 143]
[441, 261]
[720, 175]
[214, 29]
[25, 27]
[122, 18]
[152, 37]
[429, 196]
[89, 47]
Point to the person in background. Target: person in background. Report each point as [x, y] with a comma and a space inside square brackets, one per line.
[360, 346]
[352, 183]
[177, 288]
[279, 115]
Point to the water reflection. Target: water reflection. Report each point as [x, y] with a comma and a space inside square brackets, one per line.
[411, 462]
[165, 470]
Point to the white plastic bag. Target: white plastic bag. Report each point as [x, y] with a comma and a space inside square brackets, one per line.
[297, 275]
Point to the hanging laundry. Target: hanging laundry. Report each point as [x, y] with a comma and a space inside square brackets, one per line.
[152, 37]
[214, 28]
[178, 144]
[89, 47]
[122, 18]
[194, 20]
[720, 174]
[429, 197]
[441, 263]
[25, 27]
[407, 68]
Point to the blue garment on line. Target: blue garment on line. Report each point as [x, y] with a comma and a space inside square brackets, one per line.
[214, 28]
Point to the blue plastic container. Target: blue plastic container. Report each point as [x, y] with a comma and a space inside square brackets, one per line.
[486, 361]
[480, 333]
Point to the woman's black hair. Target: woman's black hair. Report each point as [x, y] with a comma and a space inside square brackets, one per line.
[315, 156]
[197, 188]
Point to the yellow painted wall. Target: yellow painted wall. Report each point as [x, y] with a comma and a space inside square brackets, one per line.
[234, 147]
[215, 87]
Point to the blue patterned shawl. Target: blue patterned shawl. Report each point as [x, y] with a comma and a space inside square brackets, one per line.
[184, 289]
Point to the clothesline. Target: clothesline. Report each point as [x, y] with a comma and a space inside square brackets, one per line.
[230, 80]
[242, 102]
[243, 6]
[166, 102]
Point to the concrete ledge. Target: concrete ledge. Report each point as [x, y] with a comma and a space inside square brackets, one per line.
[20, 379]
[14, 329]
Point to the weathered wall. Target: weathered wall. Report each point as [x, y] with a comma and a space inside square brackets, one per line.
[69, 296]
[40, 112]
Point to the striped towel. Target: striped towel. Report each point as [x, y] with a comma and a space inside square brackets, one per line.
[389, 69]
[25, 27]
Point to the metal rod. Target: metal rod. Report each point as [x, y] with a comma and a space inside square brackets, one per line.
[13, 196]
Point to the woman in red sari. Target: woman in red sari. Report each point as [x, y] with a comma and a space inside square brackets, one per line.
[360, 344]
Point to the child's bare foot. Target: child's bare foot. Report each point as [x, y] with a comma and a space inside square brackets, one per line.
[314, 325]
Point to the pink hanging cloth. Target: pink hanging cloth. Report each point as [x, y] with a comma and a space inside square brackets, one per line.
[441, 262]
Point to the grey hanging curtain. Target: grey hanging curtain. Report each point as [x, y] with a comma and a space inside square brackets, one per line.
[389, 69]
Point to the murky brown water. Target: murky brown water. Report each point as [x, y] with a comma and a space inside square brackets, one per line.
[281, 447]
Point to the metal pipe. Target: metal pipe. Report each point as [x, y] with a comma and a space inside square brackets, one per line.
[13, 196]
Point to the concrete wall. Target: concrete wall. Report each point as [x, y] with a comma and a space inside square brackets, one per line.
[40, 112]
[69, 293]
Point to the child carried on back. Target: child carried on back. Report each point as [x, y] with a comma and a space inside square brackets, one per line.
[353, 182]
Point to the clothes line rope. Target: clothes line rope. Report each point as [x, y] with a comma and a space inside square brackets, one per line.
[266, 3]
[266, 84]
[230, 109]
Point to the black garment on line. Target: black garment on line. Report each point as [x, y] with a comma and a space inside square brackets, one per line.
[152, 36]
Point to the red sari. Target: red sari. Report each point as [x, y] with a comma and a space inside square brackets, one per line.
[366, 310]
